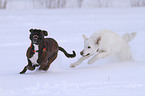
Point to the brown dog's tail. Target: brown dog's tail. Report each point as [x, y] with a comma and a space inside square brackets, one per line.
[66, 54]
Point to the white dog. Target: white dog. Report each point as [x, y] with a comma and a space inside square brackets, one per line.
[106, 43]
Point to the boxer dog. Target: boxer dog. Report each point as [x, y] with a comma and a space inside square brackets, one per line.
[43, 51]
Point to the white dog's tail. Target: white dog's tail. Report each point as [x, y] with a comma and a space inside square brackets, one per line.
[129, 36]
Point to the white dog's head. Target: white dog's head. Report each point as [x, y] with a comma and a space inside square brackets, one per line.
[91, 46]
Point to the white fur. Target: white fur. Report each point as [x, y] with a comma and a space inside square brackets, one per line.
[34, 58]
[106, 43]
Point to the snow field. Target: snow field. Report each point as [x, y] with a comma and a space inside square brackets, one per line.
[104, 78]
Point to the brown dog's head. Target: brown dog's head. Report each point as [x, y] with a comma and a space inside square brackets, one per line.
[37, 35]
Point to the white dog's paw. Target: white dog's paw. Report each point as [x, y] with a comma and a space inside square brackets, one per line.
[91, 61]
[73, 65]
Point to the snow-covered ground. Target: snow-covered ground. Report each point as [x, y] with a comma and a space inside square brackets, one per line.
[104, 78]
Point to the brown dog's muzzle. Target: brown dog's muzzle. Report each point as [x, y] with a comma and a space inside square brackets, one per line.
[35, 38]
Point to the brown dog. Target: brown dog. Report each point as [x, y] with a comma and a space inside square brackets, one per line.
[43, 51]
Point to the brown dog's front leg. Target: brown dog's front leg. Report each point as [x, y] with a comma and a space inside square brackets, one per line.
[24, 70]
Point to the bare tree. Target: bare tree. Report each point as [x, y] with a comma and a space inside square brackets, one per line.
[80, 3]
[103, 3]
[137, 3]
[3, 4]
[61, 3]
[143, 3]
[55, 3]
[38, 4]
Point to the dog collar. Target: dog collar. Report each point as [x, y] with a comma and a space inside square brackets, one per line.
[35, 51]
[44, 49]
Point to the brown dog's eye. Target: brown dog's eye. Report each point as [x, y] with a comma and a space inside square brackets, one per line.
[89, 47]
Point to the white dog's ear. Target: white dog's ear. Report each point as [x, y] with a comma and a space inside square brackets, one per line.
[98, 40]
[85, 38]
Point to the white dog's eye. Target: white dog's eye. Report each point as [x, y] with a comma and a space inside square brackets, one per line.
[89, 47]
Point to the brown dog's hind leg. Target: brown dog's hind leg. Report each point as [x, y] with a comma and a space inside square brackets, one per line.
[42, 65]
[50, 60]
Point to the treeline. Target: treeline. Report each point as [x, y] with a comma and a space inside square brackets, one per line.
[10, 4]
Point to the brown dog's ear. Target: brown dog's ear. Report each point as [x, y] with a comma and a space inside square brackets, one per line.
[31, 30]
[98, 40]
[45, 32]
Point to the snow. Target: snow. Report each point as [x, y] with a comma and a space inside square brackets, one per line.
[104, 78]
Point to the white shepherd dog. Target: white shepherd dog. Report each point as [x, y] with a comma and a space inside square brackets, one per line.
[106, 43]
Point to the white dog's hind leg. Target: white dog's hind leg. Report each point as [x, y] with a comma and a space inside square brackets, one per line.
[79, 61]
[125, 55]
[98, 56]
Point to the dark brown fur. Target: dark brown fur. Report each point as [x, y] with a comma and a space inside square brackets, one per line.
[47, 53]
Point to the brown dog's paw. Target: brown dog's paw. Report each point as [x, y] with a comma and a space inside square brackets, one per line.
[31, 67]
[22, 72]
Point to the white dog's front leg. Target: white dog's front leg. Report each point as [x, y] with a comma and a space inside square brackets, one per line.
[79, 61]
[98, 56]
